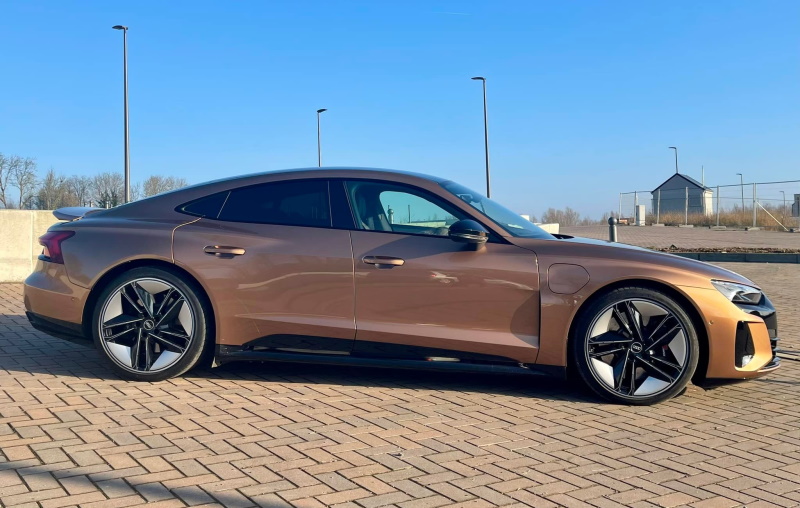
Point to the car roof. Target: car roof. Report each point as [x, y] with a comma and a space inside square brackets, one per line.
[324, 172]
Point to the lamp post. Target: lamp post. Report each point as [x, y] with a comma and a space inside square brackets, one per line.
[485, 134]
[741, 182]
[676, 157]
[319, 138]
[783, 208]
[125, 100]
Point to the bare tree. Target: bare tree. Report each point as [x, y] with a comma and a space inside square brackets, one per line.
[157, 184]
[54, 192]
[5, 180]
[81, 189]
[24, 179]
[566, 217]
[136, 191]
[109, 189]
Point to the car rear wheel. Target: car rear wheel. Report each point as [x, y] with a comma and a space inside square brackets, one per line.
[635, 346]
[150, 325]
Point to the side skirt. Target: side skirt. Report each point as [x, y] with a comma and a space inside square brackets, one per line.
[227, 354]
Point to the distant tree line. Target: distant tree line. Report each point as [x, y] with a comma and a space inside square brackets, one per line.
[21, 187]
[569, 217]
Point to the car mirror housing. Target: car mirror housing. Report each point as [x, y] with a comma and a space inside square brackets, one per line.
[468, 231]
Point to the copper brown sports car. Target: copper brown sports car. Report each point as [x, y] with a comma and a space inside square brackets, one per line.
[386, 268]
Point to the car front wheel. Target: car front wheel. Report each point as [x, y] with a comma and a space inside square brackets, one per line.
[635, 346]
[149, 325]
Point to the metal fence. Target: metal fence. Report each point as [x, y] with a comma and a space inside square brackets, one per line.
[771, 205]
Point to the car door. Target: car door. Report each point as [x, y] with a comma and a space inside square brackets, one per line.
[279, 276]
[421, 295]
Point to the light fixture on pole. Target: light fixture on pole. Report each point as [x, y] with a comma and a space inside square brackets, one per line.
[485, 134]
[319, 138]
[125, 107]
[676, 157]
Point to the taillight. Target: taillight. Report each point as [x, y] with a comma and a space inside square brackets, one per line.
[51, 241]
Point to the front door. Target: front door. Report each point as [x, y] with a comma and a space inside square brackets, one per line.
[421, 295]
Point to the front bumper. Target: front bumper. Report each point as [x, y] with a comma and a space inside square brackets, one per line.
[742, 339]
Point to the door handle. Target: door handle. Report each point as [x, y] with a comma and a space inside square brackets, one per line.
[383, 261]
[223, 251]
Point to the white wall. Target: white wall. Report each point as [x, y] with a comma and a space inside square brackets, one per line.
[19, 241]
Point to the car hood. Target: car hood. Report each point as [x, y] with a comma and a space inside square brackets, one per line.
[590, 248]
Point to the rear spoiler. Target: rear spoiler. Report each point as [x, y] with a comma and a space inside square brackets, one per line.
[71, 213]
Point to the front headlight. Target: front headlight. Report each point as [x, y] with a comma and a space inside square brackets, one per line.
[738, 293]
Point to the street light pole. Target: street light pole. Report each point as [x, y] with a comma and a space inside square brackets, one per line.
[676, 157]
[125, 99]
[485, 134]
[319, 138]
[741, 181]
[783, 208]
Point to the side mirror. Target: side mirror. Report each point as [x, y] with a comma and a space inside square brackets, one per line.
[468, 231]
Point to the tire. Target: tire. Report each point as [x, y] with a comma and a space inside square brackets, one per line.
[149, 324]
[635, 346]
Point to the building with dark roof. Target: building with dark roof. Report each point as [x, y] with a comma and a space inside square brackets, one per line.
[679, 192]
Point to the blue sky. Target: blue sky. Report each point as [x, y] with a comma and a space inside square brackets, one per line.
[584, 96]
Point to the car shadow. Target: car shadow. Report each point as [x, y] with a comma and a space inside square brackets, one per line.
[25, 350]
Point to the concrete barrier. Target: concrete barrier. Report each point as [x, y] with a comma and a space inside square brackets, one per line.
[19, 241]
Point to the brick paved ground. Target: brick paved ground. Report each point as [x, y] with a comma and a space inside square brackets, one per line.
[277, 435]
[661, 237]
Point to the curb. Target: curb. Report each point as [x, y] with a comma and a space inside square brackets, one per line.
[742, 257]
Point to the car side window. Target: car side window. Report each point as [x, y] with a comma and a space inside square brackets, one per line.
[291, 203]
[207, 206]
[395, 208]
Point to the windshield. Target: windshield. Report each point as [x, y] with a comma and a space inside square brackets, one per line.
[511, 222]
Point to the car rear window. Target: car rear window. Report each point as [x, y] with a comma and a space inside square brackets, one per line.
[293, 203]
[208, 206]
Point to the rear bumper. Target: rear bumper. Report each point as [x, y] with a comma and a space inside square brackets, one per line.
[53, 304]
[59, 329]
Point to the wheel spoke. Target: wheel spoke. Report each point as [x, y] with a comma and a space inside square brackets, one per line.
[597, 354]
[607, 338]
[665, 362]
[632, 385]
[171, 312]
[621, 321]
[619, 370]
[664, 319]
[164, 300]
[122, 319]
[133, 301]
[118, 335]
[173, 333]
[135, 350]
[670, 334]
[655, 371]
[631, 313]
[145, 297]
[167, 342]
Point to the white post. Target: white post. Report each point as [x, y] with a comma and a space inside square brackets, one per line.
[686, 207]
[658, 208]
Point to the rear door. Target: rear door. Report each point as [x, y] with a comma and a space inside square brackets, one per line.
[279, 276]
